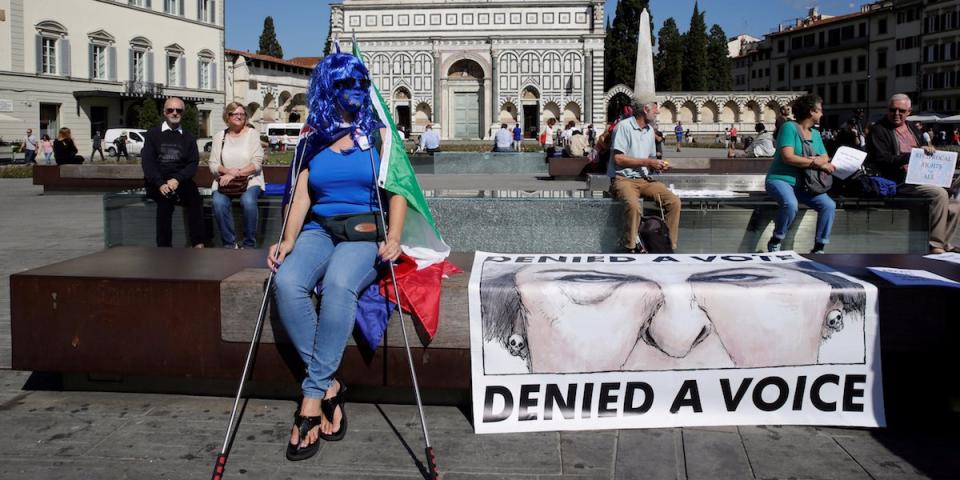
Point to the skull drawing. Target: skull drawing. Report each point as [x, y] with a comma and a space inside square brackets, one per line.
[517, 346]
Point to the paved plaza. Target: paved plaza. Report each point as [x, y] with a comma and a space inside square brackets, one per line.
[51, 432]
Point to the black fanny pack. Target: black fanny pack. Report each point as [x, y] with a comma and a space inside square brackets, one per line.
[359, 227]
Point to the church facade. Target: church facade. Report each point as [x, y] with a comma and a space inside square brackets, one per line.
[466, 67]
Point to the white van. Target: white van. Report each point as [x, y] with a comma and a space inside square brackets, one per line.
[135, 139]
[283, 133]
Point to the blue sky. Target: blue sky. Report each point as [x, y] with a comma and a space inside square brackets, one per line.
[302, 24]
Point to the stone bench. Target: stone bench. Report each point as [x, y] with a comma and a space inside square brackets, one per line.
[589, 222]
[117, 177]
[567, 167]
[488, 163]
[185, 313]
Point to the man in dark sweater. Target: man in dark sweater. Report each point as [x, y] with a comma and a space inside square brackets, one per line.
[170, 159]
[889, 144]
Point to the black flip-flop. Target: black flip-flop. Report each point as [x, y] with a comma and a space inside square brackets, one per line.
[329, 406]
[304, 425]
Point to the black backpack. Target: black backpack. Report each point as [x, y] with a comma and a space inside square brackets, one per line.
[654, 234]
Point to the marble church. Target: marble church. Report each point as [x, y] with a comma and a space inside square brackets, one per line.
[468, 66]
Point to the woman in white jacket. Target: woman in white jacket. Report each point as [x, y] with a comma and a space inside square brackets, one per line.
[237, 157]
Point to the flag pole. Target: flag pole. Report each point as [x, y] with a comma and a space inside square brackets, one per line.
[432, 470]
[221, 463]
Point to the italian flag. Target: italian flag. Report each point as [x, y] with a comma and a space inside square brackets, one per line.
[423, 264]
[421, 240]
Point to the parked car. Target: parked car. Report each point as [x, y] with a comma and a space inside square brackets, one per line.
[134, 140]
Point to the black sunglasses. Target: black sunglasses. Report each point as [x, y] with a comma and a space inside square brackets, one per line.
[344, 83]
[899, 110]
[172, 110]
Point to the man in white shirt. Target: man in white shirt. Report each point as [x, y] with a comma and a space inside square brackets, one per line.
[429, 141]
[632, 159]
[29, 147]
[503, 140]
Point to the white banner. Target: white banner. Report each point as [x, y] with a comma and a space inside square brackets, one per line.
[591, 341]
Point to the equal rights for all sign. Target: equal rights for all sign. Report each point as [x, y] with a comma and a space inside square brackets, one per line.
[575, 342]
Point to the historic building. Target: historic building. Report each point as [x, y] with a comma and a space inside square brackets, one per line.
[273, 89]
[708, 113]
[939, 70]
[467, 66]
[87, 64]
[860, 59]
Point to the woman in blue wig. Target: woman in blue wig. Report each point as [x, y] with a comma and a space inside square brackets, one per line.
[332, 241]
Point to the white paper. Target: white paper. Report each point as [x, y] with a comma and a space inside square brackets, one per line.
[848, 161]
[904, 276]
[945, 257]
[936, 169]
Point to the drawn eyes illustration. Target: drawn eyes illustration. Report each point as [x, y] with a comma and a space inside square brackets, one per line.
[587, 287]
[744, 277]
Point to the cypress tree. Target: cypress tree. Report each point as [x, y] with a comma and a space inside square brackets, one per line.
[269, 45]
[620, 60]
[718, 60]
[149, 116]
[695, 53]
[191, 120]
[668, 63]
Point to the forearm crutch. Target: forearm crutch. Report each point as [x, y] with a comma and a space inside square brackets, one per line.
[432, 470]
[221, 462]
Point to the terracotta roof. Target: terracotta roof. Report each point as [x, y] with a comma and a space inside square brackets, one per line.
[308, 62]
[819, 23]
[266, 58]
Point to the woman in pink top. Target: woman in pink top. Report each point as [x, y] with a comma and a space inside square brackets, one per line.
[46, 146]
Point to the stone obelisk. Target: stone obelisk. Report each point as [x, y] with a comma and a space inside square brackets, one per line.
[643, 81]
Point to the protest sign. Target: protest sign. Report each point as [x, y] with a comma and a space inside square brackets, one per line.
[936, 169]
[847, 160]
[591, 341]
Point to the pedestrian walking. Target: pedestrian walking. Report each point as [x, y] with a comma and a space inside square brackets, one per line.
[29, 147]
[97, 146]
[120, 145]
[46, 146]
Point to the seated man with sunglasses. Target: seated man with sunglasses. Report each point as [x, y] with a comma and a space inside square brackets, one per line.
[169, 159]
[888, 153]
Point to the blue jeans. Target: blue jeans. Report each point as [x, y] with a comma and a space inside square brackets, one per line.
[787, 197]
[344, 270]
[223, 214]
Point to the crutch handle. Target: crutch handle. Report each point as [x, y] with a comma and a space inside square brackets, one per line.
[219, 467]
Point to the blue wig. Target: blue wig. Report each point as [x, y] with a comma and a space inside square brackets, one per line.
[324, 91]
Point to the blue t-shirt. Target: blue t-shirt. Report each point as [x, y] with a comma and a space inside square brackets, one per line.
[517, 134]
[342, 183]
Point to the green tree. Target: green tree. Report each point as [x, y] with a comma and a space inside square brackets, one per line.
[668, 63]
[191, 120]
[718, 60]
[269, 45]
[695, 53]
[620, 60]
[149, 116]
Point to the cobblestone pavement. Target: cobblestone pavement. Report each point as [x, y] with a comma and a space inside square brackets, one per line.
[102, 435]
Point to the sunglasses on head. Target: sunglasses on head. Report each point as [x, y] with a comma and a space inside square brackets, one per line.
[901, 111]
[345, 83]
[174, 110]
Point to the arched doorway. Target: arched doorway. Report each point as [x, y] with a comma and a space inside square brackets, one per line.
[401, 108]
[530, 102]
[297, 108]
[465, 92]
[615, 107]
[423, 117]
